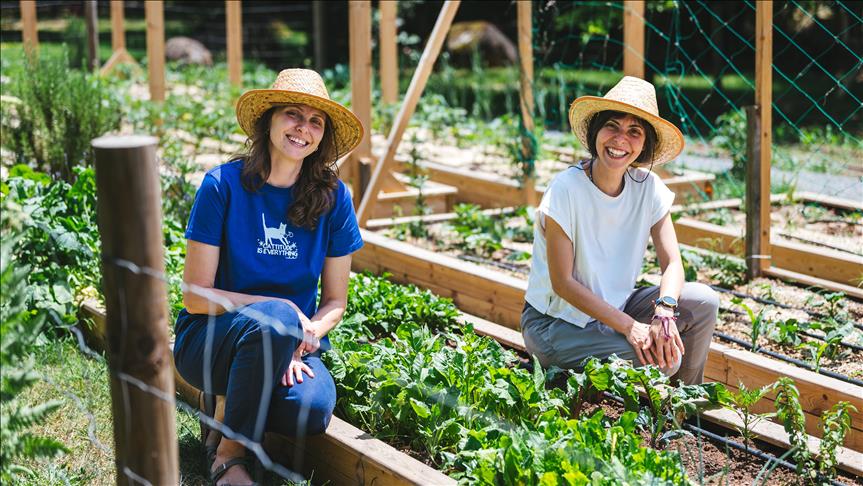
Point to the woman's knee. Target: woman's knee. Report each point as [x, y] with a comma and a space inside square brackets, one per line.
[700, 300]
[272, 325]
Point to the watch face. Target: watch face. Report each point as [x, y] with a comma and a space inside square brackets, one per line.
[667, 301]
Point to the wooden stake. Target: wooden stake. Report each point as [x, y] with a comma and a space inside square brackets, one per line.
[155, 14]
[118, 40]
[318, 35]
[388, 52]
[764, 101]
[118, 27]
[754, 251]
[29, 31]
[525, 55]
[360, 31]
[130, 225]
[418, 82]
[91, 18]
[234, 21]
[633, 38]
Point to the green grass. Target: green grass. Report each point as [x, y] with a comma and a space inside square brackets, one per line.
[81, 382]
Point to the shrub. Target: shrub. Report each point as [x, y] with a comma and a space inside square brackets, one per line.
[55, 113]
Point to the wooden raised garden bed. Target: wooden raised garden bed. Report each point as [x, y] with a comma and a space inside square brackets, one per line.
[344, 454]
[499, 298]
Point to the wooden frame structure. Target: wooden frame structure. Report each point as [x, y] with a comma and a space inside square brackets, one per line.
[29, 28]
[499, 298]
[119, 53]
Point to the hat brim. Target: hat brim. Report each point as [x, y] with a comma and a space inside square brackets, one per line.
[669, 142]
[346, 126]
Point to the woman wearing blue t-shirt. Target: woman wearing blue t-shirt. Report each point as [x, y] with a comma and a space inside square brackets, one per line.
[264, 230]
[590, 237]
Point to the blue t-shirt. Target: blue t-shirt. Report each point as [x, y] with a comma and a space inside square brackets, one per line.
[260, 251]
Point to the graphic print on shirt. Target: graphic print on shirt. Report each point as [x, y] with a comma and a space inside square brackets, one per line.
[276, 241]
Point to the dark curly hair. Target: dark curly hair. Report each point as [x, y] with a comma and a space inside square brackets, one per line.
[314, 191]
[598, 120]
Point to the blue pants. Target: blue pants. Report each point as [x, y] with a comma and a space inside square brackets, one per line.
[246, 361]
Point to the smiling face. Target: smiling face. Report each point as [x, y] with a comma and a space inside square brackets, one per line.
[620, 141]
[296, 131]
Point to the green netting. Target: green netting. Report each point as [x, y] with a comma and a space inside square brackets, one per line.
[701, 57]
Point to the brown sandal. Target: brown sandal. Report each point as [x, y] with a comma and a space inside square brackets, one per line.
[221, 469]
[207, 407]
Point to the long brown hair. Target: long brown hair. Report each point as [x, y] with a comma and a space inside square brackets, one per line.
[314, 190]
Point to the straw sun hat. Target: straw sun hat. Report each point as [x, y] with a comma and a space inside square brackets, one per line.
[302, 86]
[637, 97]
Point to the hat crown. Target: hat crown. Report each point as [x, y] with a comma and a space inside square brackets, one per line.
[636, 92]
[301, 81]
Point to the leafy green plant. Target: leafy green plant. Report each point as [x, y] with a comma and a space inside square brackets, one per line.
[827, 347]
[730, 134]
[756, 322]
[742, 402]
[19, 327]
[834, 422]
[784, 332]
[57, 113]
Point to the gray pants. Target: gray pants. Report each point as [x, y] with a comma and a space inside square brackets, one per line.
[556, 342]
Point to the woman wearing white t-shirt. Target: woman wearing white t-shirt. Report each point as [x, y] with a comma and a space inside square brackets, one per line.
[591, 233]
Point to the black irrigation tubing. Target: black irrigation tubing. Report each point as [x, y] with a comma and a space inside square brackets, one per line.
[788, 359]
[774, 303]
[506, 266]
[765, 456]
[808, 334]
[818, 243]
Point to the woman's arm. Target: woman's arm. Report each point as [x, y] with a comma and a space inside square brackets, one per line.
[199, 272]
[560, 266]
[334, 295]
[667, 351]
[668, 252]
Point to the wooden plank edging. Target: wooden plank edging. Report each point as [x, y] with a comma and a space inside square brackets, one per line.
[499, 298]
[343, 454]
[772, 433]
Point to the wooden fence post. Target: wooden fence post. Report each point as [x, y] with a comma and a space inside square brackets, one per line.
[764, 101]
[155, 14]
[142, 378]
[525, 55]
[234, 21]
[388, 52]
[633, 38]
[318, 35]
[29, 31]
[91, 18]
[754, 249]
[360, 32]
[119, 54]
[418, 83]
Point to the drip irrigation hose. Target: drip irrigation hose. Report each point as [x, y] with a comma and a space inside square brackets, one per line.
[855, 347]
[774, 303]
[788, 359]
[765, 456]
[505, 266]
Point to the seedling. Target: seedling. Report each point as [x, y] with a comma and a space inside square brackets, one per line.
[742, 403]
[755, 320]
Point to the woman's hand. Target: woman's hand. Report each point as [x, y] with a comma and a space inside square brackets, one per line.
[668, 349]
[296, 370]
[640, 338]
[310, 342]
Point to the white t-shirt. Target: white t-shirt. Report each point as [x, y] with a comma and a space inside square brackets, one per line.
[609, 236]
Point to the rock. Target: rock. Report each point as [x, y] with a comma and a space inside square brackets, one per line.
[495, 49]
[187, 51]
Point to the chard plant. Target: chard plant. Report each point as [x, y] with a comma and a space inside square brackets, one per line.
[785, 332]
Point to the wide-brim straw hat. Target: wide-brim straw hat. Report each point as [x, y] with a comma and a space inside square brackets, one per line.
[637, 97]
[302, 86]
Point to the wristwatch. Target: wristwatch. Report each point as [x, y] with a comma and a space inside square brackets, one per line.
[666, 301]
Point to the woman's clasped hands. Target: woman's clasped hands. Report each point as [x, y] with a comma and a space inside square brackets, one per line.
[657, 343]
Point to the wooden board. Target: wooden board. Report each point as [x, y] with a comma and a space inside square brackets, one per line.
[491, 190]
[849, 460]
[344, 454]
[823, 263]
[499, 298]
